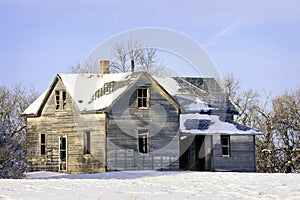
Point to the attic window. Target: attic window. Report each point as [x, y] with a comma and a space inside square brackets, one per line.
[60, 99]
[143, 97]
[225, 145]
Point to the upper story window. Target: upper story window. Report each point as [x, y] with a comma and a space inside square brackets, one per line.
[143, 97]
[60, 99]
[225, 145]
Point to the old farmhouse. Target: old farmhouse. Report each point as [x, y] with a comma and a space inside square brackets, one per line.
[88, 123]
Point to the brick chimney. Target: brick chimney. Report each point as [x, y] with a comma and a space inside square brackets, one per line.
[104, 67]
[132, 65]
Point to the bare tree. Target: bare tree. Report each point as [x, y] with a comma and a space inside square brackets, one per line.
[80, 67]
[150, 63]
[12, 129]
[278, 149]
[286, 119]
[231, 86]
[127, 55]
[133, 53]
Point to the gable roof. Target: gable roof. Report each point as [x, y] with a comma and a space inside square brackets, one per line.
[90, 92]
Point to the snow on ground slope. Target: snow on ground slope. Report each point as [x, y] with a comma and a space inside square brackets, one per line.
[153, 185]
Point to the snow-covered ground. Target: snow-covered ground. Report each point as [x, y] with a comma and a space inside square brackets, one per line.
[153, 185]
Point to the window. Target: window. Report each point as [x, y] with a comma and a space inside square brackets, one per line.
[62, 153]
[60, 99]
[225, 145]
[64, 99]
[143, 97]
[43, 144]
[143, 146]
[57, 100]
[87, 142]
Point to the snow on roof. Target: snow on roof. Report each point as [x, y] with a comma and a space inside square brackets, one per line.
[184, 93]
[196, 123]
[90, 92]
[34, 107]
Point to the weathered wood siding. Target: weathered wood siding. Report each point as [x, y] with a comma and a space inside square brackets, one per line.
[242, 154]
[124, 121]
[71, 124]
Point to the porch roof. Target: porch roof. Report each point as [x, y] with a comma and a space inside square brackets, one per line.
[204, 124]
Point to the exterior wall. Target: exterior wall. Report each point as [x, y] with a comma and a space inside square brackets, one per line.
[124, 122]
[242, 154]
[71, 124]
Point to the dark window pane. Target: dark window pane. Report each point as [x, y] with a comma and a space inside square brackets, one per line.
[87, 142]
[140, 102]
[224, 140]
[144, 102]
[64, 96]
[57, 100]
[139, 93]
[225, 151]
[144, 92]
[43, 138]
[143, 143]
[63, 155]
[63, 143]
[43, 149]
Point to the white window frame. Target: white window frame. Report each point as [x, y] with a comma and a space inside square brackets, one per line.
[66, 153]
[227, 146]
[142, 97]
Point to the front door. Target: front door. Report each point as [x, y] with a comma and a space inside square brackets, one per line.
[192, 153]
[62, 153]
[199, 152]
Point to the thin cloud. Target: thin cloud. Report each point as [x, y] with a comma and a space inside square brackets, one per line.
[217, 37]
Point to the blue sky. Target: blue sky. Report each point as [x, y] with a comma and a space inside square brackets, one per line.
[257, 41]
